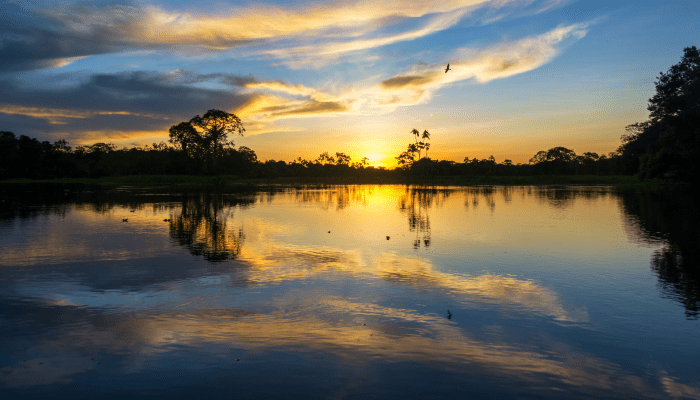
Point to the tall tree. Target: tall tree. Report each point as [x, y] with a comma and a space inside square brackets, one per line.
[668, 144]
[206, 136]
[426, 145]
[215, 127]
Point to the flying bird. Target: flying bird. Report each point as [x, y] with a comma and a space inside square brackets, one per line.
[448, 68]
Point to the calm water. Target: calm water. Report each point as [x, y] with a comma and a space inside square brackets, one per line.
[349, 292]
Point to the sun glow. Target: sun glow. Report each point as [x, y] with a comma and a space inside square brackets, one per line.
[379, 160]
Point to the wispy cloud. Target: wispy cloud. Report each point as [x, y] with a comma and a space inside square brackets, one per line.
[58, 116]
[418, 83]
[318, 55]
[35, 37]
[496, 62]
[431, 18]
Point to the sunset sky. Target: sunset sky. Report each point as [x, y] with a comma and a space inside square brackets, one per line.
[353, 76]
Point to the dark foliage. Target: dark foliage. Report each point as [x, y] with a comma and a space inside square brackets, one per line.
[668, 144]
[25, 157]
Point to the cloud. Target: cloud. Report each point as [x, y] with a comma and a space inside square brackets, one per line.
[320, 54]
[33, 38]
[407, 80]
[297, 90]
[277, 99]
[36, 36]
[106, 106]
[139, 101]
[57, 116]
[313, 108]
[496, 62]
[419, 83]
[432, 17]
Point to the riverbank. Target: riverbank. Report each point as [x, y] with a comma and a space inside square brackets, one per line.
[187, 182]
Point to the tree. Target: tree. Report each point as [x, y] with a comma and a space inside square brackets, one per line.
[215, 127]
[342, 158]
[415, 133]
[102, 148]
[555, 160]
[408, 156]
[668, 144]
[678, 90]
[426, 145]
[9, 155]
[185, 136]
[325, 158]
[61, 146]
[248, 155]
[206, 136]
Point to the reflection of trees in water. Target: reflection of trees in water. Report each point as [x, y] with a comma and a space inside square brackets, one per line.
[563, 197]
[338, 197]
[414, 203]
[474, 196]
[555, 197]
[29, 201]
[202, 226]
[670, 218]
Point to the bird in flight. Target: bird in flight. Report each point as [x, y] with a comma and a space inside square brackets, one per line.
[448, 68]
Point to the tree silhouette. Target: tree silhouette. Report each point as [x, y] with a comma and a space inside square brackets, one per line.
[215, 127]
[342, 158]
[426, 145]
[408, 156]
[184, 135]
[668, 144]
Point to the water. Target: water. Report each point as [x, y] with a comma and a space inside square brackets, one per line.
[349, 292]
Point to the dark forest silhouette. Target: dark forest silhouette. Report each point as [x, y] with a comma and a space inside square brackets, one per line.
[667, 146]
[24, 157]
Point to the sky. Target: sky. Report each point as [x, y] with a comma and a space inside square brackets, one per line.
[352, 76]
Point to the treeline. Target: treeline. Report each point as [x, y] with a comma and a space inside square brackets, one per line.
[555, 161]
[25, 157]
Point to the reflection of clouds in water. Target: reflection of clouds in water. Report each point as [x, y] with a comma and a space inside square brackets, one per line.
[86, 236]
[506, 291]
[678, 390]
[354, 331]
[55, 369]
[279, 263]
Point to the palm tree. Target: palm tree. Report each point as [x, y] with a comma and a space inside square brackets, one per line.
[415, 133]
[426, 136]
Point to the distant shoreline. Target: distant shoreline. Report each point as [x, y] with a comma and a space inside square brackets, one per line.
[188, 182]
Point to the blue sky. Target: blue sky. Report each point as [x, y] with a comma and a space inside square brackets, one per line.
[350, 76]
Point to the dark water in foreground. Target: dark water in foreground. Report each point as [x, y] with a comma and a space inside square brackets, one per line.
[350, 292]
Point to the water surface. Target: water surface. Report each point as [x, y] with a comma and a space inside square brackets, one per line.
[349, 292]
